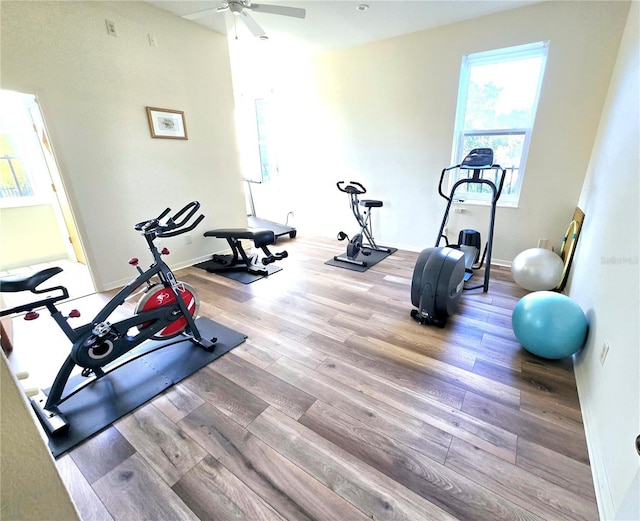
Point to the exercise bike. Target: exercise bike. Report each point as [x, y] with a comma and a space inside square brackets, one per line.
[356, 245]
[167, 308]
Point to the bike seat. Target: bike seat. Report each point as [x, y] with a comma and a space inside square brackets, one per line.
[260, 236]
[13, 283]
[370, 203]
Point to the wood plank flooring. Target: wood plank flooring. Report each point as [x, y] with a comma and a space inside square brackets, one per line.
[340, 407]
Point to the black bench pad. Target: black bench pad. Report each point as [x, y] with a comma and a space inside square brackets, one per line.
[260, 236]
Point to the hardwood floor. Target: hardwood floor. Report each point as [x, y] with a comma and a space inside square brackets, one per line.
[340, 407]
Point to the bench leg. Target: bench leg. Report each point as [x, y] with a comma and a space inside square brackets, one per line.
[239, 259]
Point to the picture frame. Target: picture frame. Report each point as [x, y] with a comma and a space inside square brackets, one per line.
[167, 123]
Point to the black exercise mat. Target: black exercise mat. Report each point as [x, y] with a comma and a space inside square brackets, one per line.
[241, 276]
[128, 387]
[371, 260]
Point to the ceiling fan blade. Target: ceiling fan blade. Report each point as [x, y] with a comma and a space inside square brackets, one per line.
[204, 12]
[252, 25]
[296, 12]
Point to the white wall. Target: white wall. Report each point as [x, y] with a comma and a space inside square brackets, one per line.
[383, 113]
[31, 486]
[93, 89]
[30, 235]
[606, 284]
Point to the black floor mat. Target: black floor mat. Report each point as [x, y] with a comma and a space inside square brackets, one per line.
[126, 388]
[371, 260]
[241, 276]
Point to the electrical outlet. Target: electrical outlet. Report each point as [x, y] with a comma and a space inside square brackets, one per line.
[152, 40]
[543, 243]
[604, 352]
[111, 28]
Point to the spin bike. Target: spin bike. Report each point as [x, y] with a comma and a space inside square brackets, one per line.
[356, 245]
[167, 308]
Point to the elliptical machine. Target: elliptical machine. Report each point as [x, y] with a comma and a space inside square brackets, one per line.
[356, 245]
[441, 273]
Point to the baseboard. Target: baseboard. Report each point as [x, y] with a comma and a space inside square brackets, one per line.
[604, 499]
[496, 262]
[175, 267]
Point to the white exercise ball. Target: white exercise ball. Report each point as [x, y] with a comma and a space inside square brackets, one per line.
[537, 269]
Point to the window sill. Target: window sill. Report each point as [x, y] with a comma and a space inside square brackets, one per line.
[471, 202]
[22, 202]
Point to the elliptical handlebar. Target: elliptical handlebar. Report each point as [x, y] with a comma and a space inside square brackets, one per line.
[353, 187]
[173, 226]
[504, 174]
[497, 190]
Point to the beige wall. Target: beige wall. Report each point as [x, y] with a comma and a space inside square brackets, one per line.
[606, 284]
[93, 90]
[30, 235]
[383, 113]
[31, 486]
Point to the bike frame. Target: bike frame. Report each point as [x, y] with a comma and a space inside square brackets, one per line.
[161, 316]
[116, 336]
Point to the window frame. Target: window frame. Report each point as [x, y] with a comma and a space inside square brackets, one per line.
[20, 132]
[507, 54]
[267, 151]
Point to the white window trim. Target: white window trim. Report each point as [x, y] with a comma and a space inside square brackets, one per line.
[537, 49]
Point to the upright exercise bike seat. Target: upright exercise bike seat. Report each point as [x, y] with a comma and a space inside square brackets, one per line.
[370, 203]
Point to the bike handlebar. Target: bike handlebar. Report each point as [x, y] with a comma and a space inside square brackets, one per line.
[172, 227]
[352, 188]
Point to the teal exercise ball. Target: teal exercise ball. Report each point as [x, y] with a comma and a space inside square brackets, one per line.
[549, 324]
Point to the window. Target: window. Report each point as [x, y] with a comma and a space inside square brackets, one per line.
[14, 181]
[497, 102]
[266, 142]
[24, 177]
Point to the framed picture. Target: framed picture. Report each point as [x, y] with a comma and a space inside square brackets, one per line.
[166, 123]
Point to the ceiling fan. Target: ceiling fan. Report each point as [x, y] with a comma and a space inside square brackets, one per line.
[240, 9]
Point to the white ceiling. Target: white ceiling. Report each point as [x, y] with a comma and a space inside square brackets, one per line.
[336, 24]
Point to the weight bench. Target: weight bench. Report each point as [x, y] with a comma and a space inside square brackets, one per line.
[238, 260]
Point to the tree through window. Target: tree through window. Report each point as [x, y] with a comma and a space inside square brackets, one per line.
[497, 102]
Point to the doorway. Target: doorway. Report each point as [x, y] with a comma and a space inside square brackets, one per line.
[37, 227]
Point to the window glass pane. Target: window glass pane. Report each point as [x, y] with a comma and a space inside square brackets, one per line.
[502, 95]
[507, 148]
[507, 152]
[266, 141]
[497, 101]
[14, 181]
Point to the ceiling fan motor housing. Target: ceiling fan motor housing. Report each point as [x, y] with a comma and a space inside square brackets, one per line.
[235, 8]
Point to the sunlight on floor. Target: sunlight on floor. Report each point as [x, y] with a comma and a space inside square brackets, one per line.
[75, 278]
[41, 354]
